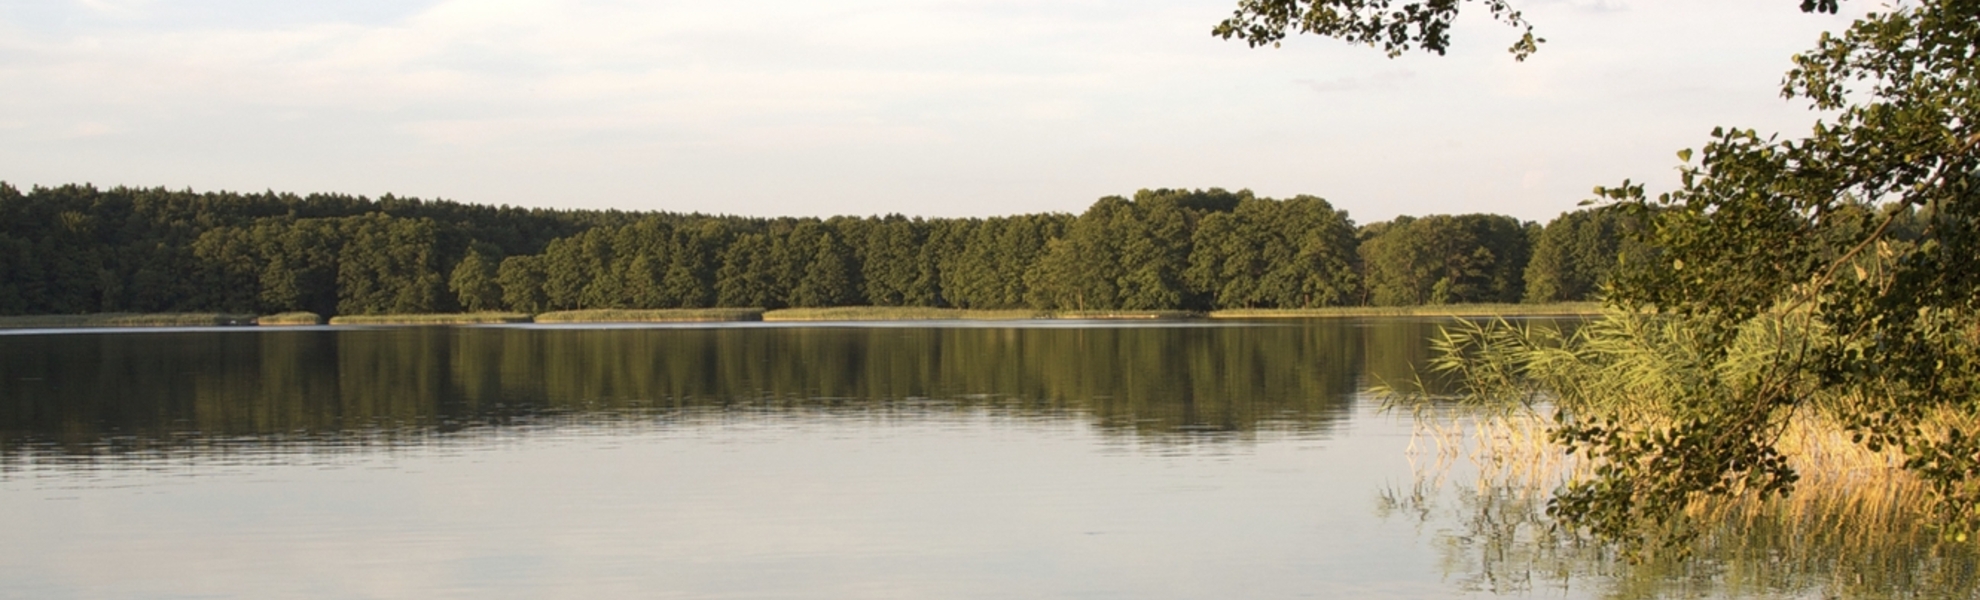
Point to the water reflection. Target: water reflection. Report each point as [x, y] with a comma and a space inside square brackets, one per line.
[97, 393]
[1870, 537]
[1036, 460]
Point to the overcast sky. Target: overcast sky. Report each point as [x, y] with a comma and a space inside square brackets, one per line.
[822, 107]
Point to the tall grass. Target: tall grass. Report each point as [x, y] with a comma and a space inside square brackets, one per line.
[1854, 523]
[1127, 315]
[668, 315]
[1858, 525]
[899, 313]
[291, 318]
[485, 318]
[1441, 310]
[127, 320]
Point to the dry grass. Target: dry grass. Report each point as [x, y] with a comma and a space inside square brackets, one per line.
[291, 318]
[899, 313]
[1128, 315]
[126, 320]
[1857, 525]
[668, 315]
[1849, 500]
[485, 318]
[1440, 310]
[1515, 450]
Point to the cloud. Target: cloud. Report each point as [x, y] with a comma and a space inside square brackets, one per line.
[93, 129]
[117, 9]
[858, 106]
[1385, 80]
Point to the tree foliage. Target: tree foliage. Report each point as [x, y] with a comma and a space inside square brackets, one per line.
[1577, 251]
[1762, 226]
[1396, 26]
[78, 249]
[1444, 259]
[1836, 274]
[1296, 254]
[476, 281]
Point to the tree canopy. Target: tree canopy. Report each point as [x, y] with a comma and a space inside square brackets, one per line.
[1836, 273]
[1396, 27]
[1870, 225]
[78, 249]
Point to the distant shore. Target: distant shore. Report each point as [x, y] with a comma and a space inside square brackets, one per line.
[127, 320]
[1555, 309]
[661, 315]
[839, 313]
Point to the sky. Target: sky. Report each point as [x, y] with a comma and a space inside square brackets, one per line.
[935, 108]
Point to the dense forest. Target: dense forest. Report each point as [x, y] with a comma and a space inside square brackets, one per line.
[78, 249]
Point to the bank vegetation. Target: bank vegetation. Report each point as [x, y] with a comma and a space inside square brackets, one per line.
[82, 250]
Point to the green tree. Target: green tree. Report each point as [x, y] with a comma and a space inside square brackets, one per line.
[1154, 238]
[1082, 271]
[1782, 285]
[390, 266]
[230, 265]
[746, 279]
[692, 267]
[828, 276]
[1396, 26]
[15, 259]
[638, 259]
[892, 262]
[476, 282]
[1763, 229]
[997, 263]
[522, 279]
[1575, 253]
[1272, 254]
[1053, 283]
[569, 266]
[1445, 259]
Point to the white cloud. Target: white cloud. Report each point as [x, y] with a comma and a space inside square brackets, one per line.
[932, 107]
[117, 9]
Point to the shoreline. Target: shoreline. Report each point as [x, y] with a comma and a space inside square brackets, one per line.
[1552, 309]
[785, 315]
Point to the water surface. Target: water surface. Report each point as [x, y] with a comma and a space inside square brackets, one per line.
[949, 460]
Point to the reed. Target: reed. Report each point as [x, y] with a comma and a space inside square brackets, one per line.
[1515, 449]
[665, 315]
[1857, 525]
[290, 318]
[898, 313]
[485, 318]
[1440, 310]
[1127, 315]
[127, 320]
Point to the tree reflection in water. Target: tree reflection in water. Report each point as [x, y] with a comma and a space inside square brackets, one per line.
[87, 394]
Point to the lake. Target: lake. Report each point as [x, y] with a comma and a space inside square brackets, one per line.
[1048, 459]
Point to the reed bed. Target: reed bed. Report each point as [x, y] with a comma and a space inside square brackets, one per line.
[1440, 310]
[485, 318]
[290, 318]
[1128, 315]
[1514, 449]
[127, 320]
[665, 315]
[899, 313]
[1857, 525]
[1854, 523]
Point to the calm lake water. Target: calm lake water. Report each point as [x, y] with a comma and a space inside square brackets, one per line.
[923, 460]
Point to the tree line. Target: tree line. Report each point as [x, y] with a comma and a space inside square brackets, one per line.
[79, 249]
